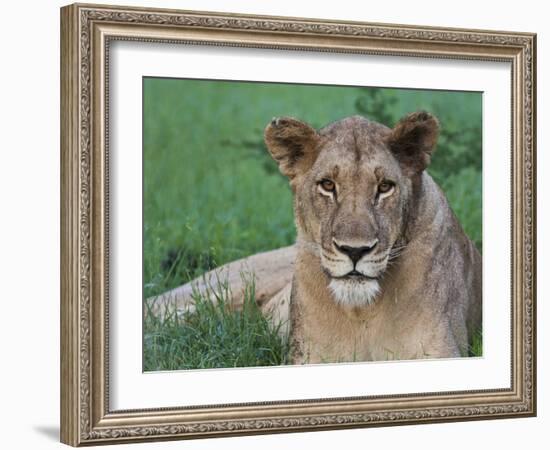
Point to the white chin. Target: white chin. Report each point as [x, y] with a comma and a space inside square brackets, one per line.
[354, 293]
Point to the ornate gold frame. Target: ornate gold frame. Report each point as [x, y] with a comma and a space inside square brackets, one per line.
[86, 31]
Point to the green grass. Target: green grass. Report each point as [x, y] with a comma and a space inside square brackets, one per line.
[213, 336]
[212, 194]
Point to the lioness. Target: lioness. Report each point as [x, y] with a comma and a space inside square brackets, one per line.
[381, 268]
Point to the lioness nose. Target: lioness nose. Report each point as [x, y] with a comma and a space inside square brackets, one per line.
[356, 253]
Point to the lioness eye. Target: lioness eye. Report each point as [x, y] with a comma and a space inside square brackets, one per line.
[385, 186]
[328, 185]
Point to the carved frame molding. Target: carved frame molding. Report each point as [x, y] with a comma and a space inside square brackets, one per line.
[86, 32]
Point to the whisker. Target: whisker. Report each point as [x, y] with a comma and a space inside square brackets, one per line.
[394, 255]
[329, 250]
[332, 259]
[397, 247]
[395, 252]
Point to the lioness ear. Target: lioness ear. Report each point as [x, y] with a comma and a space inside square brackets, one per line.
[292, 143]
[412, 141]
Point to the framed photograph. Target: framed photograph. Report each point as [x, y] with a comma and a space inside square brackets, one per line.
[275, 224]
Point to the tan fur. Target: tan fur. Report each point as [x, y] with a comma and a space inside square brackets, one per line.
[429, 296]
[270, 271]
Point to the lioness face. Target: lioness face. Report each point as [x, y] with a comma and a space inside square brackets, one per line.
[353, 181]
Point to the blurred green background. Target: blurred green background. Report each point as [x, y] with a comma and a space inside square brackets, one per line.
[212, 193]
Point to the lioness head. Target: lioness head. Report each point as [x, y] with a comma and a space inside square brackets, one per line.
[353, 184]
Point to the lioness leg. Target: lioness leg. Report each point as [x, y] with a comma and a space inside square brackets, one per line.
[277, 309]
[439, 342]
[270, 271]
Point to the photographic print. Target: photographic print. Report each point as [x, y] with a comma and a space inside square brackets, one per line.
[308, 224]
[278, 224]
